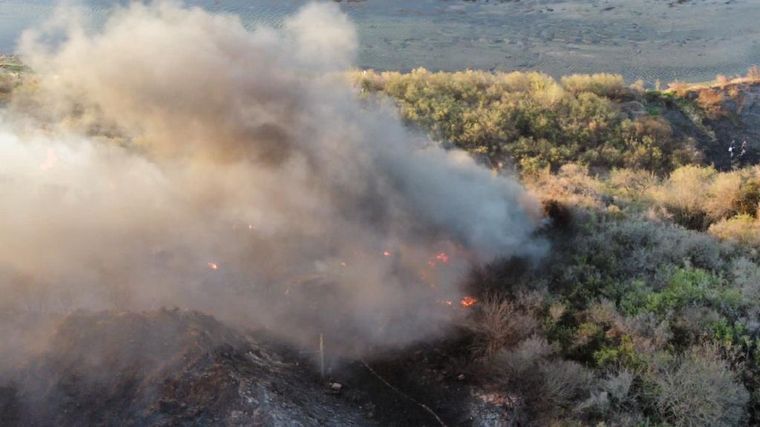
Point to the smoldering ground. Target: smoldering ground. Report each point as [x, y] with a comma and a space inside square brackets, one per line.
[173, 157]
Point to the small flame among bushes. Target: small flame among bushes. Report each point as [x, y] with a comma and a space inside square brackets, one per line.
[468, 302]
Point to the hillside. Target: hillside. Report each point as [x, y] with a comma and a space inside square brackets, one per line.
[650, 293]
[535, 121]
[643, 311]
[174, 367]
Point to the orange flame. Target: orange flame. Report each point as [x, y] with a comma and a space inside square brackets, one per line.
[213, 266]
[439, 258]
[468, 301]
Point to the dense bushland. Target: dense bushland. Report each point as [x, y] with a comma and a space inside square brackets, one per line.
[533, 120]
[652, 288]
[647, 310]
[628, 321]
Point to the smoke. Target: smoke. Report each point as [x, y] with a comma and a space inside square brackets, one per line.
[173, 157]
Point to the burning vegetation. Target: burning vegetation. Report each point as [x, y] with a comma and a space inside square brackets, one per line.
[235, 172]
[175, 158]
[332, 266]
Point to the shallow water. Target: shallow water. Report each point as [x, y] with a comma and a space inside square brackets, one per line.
[647, 39]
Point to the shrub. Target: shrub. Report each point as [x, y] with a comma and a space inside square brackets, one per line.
[602, 84]
[683, 195]
[498, 324]
[612, 392]
[681, 89]
[700, 389]
[571, 185]
[549, 387]
[748, 197]
[564, 383]
[622, 355]
[529, 120]
[724, 195]
[631, 183]
[742, 229]
[693, 287]
[711, 102]
[747, 278]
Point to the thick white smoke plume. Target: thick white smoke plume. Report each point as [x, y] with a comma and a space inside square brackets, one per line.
[175, 158]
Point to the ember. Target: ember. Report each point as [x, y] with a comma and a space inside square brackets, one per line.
[468, 302]
[213, 266]
[439, 258]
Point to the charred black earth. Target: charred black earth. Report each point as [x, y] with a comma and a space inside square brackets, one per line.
[174, 367]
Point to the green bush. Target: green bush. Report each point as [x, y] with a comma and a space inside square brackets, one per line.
[691, 286]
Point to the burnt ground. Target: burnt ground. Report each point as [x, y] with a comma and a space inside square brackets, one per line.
[175, 367]
[403, 388]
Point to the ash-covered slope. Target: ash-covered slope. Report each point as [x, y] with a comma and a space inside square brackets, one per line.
[168, 367]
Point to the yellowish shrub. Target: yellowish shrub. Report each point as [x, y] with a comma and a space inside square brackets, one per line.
[723, 195]
[602, 84]
[679, 88]
[631, 183]
[711, 100]
[684, 195]
[572, 185]
[742, 229]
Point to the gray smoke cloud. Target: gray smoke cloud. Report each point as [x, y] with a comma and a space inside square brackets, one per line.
[173, 157]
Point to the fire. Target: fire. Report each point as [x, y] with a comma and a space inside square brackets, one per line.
[439, 258]
[386, 254]
[213, 266]
[468, 301]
